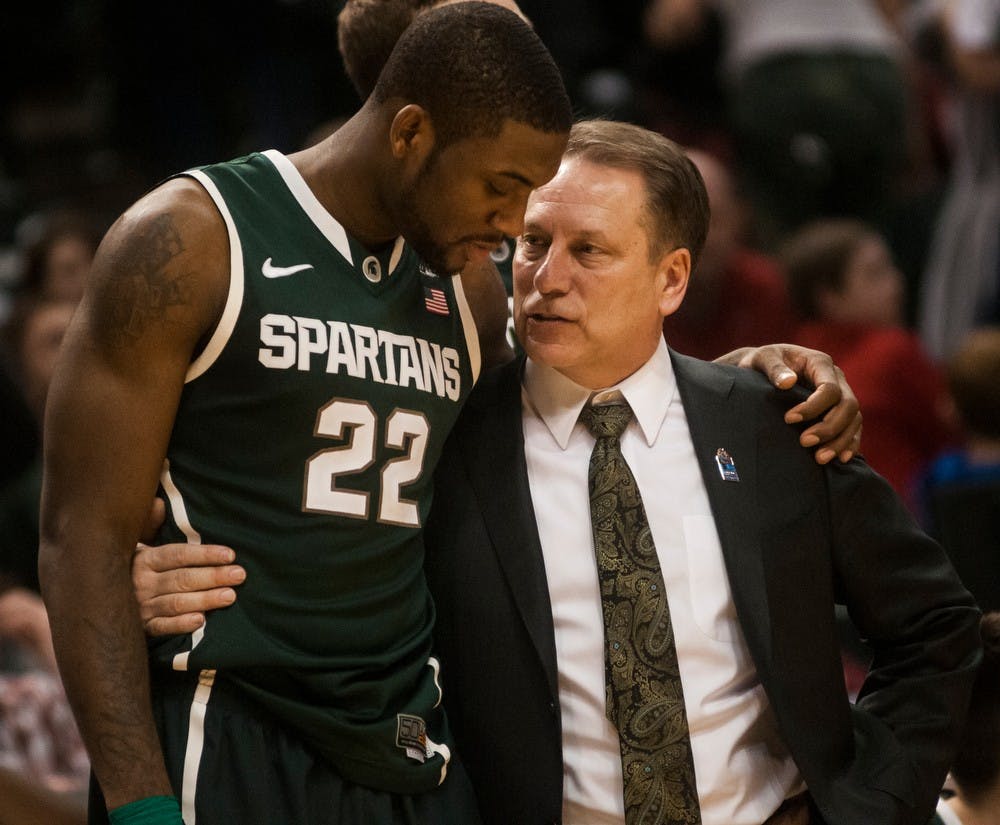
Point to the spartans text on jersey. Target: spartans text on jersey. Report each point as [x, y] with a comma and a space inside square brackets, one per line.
[293, 342]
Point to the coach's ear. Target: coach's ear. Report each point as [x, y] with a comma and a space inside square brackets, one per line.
[672, 276]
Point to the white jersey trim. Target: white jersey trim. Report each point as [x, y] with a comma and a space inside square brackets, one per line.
[195, 744]
[234, 300]
[445, 752]
[434, 747]
[397, 253]
[183, 523]
[469, 326]
[324, 221]
[435, 666]
[177, 505]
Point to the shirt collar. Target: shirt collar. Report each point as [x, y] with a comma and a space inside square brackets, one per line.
[557, 400]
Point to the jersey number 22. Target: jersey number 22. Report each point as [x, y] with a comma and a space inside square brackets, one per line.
[404, 429]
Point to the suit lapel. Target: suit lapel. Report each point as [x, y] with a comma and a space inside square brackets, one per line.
[493, 446]
[715, 422]
[494, 458]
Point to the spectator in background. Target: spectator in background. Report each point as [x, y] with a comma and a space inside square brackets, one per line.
[58, 256]
[817, 102]
[844, 284]
[961, 491]
[33, 334]
[960, 283]
[43, 764]
[976, 770]
[679, 86]
[55, 261]
[736, 296]
[42, 759]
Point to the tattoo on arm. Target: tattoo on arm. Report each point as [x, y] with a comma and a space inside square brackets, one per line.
[145, 286]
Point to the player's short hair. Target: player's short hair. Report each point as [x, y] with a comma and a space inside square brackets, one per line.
[973, 373]
[473, 66]
[677, 210]
[976, 769]
[367, 32]
[816, 258]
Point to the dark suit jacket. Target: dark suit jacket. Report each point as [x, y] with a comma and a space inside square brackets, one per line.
[796, 538]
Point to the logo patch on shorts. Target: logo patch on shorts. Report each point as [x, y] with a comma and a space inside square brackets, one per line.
[411, 736]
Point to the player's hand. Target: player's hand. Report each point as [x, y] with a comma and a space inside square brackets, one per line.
[837, 431]
[176, 584]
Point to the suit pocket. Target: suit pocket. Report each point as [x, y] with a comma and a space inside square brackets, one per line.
[711, 598]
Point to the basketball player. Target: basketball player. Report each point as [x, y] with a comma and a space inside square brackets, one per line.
[260, 340]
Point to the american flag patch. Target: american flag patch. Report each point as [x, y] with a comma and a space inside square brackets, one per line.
[435, 300]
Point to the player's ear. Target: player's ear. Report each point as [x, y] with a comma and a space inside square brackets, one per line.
[672, 276]
[411, 134]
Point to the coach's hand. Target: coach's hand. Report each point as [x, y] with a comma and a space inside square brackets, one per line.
[838, 433]
[177, 584]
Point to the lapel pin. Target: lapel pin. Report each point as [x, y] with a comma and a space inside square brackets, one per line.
[727, 467]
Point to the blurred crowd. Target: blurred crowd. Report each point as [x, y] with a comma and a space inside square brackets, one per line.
[851, 150]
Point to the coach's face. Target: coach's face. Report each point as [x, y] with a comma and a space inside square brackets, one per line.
[589, 299]
[466, 196]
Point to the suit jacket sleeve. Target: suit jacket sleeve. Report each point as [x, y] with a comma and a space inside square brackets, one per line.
[922, 625]
[852, 541]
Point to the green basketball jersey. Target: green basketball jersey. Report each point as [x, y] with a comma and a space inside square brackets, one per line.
[503, 258]
[306, 439]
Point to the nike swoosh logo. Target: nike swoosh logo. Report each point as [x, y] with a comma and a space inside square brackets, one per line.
[268, 270]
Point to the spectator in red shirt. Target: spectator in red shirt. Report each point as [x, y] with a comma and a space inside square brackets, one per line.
[844, 284]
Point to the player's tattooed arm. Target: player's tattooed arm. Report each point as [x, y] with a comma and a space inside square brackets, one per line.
[148, 284]
[157, 285]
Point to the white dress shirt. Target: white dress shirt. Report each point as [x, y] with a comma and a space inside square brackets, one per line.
[947, 813]
[743, 770]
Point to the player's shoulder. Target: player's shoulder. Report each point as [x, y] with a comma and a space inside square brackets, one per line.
[179, 207]
[716, 375]
[174, 238]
